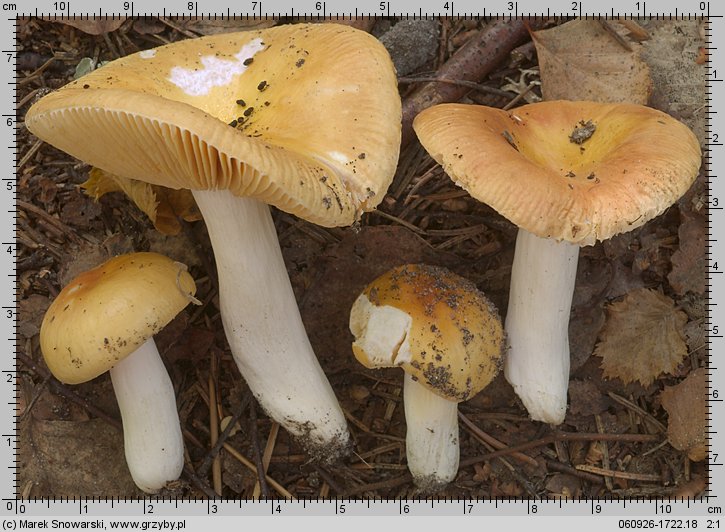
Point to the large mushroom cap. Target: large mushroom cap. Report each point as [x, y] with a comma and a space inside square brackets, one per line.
[574, 171]
[106, 313]
[315, 108]
[434, 324]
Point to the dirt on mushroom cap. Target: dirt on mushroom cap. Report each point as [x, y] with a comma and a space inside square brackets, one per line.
[316, 97]
[106, 313]
[456, 339]
[635, 163]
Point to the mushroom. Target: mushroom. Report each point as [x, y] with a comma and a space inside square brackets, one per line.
[568, 174]
[448, 338]
[303, 117]
[104, 320]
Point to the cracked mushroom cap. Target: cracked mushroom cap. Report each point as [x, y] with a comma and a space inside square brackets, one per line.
[573, 171]
[106, 313]
[303, 117]
[434, 324]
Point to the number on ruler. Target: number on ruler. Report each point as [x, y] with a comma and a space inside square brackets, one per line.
[714, 201]
[715, 394]
[510, 6]
[713, 331]
[318, 6]
[61, 6]
[703, 6]
[575, 6]
[126, 6]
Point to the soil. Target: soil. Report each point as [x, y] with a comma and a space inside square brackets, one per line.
[614, 441]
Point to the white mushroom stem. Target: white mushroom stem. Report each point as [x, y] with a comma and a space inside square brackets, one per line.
[263, 324]
[431, 441]
[152, 437]
[537, 323]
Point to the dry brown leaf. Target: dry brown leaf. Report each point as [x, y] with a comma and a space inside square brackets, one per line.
[204, 26]
[686, 406]
[90, 25]
[579, 60]
[689, 262]
[642, 338]
[162, 205]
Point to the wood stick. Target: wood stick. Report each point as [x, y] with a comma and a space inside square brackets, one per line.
[472, 62]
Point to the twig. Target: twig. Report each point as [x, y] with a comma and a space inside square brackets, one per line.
[563, 468]
[614, 35]
[60, 388]
[472, 62]
[216, 468]
[254, 436]
[493, 442]
[29, 207]
[267, 456]
[390, 483]
[462, 82]
[397, 220]
[629, 404]
[605, 451]
[249, 465]
[519, 96]
[561, 436]
[200, 484]
[644, 477]
[203, 468]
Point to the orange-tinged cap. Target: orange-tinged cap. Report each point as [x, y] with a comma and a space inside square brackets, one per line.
[434, 324]
[315, 116]
[574, 171]
[106, 313]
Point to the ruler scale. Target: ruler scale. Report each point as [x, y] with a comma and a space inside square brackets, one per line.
[703, 513]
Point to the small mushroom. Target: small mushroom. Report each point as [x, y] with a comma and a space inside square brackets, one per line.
[104, 320]
[448, 338]
[572, 174]
[163, 116]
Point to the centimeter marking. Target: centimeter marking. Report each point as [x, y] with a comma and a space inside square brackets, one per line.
[9, 488]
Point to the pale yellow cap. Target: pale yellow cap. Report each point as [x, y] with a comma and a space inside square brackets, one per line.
[574, 171]
[434, 324]
[316, 107]
[106, 313]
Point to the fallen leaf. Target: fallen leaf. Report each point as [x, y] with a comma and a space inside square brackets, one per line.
[686, 406]
[162, 205]
[642, 338]
[579, 60]
[79, 211]
[148, 26]
[689, 262]
[679, 82]
[214, 26]
[90, 25]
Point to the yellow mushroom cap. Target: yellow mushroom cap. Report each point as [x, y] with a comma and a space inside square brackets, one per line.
[574, 171]
[317, 113]
[434, 324]
[106, 313]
